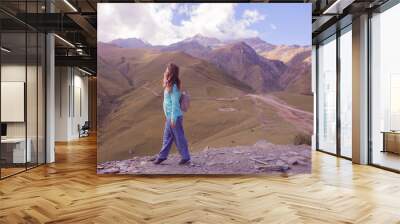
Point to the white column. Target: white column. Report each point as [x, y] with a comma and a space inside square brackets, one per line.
[50, 92]
[50, 99]
[314, 91]
[360, 89]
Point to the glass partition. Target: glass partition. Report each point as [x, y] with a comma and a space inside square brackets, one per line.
[14, 153]
[22, 78]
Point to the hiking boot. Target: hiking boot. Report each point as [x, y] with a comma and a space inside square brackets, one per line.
[184, 161]
[158, 161]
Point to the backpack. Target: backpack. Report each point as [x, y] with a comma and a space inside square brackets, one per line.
[184, 101]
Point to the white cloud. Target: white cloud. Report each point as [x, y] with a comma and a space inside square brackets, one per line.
[185, 9]
[252, 16]
[154, 22]
[273, 26]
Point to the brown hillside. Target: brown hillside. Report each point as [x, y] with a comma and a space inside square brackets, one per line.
[297, 78]
[221, 113]
[243, 63]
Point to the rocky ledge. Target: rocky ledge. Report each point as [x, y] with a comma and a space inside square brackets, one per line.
[260, 158]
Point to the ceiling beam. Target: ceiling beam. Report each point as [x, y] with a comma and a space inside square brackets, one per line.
[81, 61]
[338, 6]
[86, 27]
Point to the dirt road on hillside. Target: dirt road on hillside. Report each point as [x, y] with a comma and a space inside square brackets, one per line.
[302, 120]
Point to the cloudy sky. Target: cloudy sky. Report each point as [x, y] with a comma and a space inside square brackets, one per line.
[161, 24]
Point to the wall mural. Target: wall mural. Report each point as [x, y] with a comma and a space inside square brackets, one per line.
[204, 88]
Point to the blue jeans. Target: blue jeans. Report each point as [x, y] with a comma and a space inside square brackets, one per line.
[177, 135]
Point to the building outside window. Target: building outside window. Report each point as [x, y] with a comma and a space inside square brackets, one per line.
[346, 92]
[327, 95]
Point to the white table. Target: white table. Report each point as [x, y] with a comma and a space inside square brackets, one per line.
[19, 153]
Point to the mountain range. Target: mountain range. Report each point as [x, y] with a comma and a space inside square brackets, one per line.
[221, 76]
[263, 66]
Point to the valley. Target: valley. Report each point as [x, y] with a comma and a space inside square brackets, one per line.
[231, 88]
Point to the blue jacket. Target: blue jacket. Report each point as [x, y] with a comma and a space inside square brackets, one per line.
[171, 104]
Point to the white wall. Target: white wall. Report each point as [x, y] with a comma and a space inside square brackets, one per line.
[61, 103]
[71, 94]
[80, 110]
[12, 73]
[314, 90]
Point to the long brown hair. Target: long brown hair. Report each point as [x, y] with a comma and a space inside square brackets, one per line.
[172, 77]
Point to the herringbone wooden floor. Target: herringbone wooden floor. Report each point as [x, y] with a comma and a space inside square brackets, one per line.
[69, 191]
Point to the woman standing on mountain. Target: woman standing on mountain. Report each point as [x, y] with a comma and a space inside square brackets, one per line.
[173, 130]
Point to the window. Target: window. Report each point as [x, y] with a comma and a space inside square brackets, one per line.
[385, 89]
[346, 92]
[327, 95]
